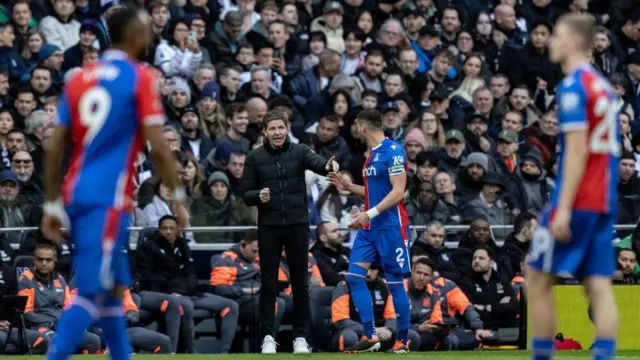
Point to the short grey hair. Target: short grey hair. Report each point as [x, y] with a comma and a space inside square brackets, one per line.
[255, 69]
[169, 128]
[205, 66]
[34, 120]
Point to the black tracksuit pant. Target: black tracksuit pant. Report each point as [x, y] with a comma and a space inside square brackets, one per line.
[295, 240]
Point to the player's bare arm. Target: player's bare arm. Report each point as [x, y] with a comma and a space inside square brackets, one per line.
[164, 161]
[398, 184]
[575, 162]
[54, 214]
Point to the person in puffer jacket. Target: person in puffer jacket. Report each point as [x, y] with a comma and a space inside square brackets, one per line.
[236, 275]
[179, 56]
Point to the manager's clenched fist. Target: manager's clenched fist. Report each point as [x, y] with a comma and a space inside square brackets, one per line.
[265, 195]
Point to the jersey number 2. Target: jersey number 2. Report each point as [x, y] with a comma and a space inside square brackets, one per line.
[603, 138]
[94, 108]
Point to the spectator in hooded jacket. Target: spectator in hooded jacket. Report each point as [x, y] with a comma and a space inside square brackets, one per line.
[164, 264]
[535, 185]
[330, 253]
[180, 55]
[61, 29]
[469, 182]
[179, 97]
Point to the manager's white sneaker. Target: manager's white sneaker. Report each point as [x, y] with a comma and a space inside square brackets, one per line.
[300, 346]
[269, 345]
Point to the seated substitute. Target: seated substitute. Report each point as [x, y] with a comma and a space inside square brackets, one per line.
[491, 294]
[437, 304]
[47, 295]
[347, 326]
[236, 275]
[164, 264]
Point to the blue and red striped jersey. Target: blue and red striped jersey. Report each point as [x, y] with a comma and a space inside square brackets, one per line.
[105, 106]
[585, 102]
[385, 160]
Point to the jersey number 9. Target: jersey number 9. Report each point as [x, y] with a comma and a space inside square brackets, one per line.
[94, 108]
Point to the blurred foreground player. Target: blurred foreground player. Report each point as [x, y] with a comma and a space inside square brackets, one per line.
[384, 231]
[575, 236]
[107, 111]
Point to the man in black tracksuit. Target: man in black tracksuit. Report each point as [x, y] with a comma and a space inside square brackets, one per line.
[491, 294]
[330, 254]
[274, 181]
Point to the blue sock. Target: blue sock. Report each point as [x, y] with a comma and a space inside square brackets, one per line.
[71, 327]
[114, 328]
[603, 349]
[361, 297]
[542, 349]
[401, 305]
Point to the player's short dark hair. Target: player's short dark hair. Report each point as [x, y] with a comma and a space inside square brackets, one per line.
[119, 22]
[233, 109]
[490, 252]
[372, 117]
[522, 221]
[45, 247]
[167, 217]
[427, 157]
[581, 25]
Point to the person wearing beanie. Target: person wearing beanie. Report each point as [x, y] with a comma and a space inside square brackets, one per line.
[469, 183]
[218, 207]
[211, 110]
[535, 184]
[193, 139]
[89, 31]
[51, 57]
[414, 143]
[179, 98]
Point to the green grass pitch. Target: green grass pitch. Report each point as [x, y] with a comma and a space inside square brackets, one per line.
[467, 355]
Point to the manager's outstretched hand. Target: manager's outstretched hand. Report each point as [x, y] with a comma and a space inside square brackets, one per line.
[332, 165]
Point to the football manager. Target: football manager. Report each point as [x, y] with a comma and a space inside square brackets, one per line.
[274, 181]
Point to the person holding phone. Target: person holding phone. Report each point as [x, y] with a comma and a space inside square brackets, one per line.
[180, 54]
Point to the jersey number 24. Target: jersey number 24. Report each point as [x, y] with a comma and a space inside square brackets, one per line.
[604, 138]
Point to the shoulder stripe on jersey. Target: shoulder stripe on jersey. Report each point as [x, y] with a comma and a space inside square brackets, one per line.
[574, 126]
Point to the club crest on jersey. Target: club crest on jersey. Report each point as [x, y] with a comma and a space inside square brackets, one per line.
[369, 171]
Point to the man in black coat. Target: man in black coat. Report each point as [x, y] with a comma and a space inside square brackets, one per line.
[274, 180]
[330, 254]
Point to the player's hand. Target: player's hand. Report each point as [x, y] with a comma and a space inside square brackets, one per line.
[483, 334]
[560, 225]
[383, 333]
[361, 219]
[265, 195]
[332, 165]
[339, 181]
[50, 226]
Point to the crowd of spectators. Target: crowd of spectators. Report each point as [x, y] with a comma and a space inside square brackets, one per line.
[465, 86]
